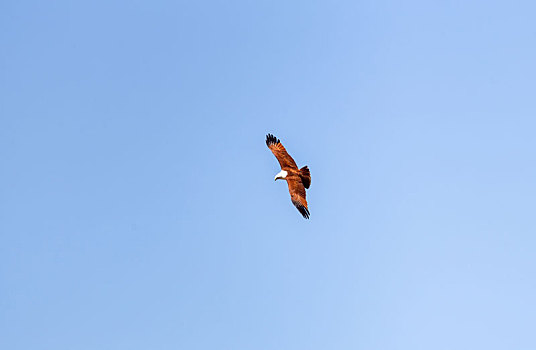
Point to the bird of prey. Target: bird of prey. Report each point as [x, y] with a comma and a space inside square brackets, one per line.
[297, 179]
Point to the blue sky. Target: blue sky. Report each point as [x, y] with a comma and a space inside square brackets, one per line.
[137, 203]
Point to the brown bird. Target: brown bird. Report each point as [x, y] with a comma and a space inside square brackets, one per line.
[297, 179]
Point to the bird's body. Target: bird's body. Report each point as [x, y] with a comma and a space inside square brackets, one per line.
[297, 179]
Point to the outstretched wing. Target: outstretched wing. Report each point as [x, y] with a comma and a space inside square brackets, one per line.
[297, 195]
[284, 159]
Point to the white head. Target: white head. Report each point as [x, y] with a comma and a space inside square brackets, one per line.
[281, 175]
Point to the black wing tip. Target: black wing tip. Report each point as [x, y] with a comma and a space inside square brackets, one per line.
[271, 140]
[304, 211]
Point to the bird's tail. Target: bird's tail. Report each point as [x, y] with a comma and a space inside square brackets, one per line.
[305, 176]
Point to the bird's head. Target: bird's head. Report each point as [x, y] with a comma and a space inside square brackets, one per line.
[281, 175]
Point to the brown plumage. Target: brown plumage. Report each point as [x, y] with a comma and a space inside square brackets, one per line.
[297, 179]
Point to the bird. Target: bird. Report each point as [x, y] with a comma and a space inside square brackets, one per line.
[297, 179]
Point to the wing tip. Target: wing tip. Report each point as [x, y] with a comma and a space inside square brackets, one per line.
[302, 209]
[271, 140]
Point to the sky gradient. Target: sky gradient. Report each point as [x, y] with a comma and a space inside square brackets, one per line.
[138, 208]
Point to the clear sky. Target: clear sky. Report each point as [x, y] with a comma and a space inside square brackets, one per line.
[138, 208]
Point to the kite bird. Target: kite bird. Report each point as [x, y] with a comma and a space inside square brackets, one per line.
[297, 179]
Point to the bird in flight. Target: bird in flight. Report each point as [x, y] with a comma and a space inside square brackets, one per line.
[297, 179]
